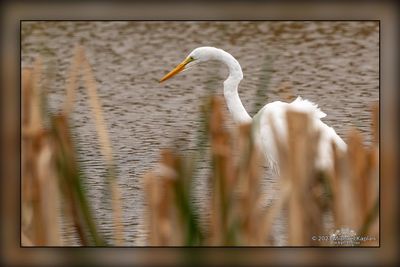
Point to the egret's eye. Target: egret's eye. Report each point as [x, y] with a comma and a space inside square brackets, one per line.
[191, 58]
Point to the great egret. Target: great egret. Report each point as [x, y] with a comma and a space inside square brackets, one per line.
[271, 113]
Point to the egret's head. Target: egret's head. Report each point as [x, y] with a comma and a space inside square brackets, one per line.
[203, 53]
[198, 55]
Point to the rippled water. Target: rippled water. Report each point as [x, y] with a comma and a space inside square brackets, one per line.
[335, 64]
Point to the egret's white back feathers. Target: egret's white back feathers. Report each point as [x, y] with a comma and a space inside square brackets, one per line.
[307, 106]
[275, 113]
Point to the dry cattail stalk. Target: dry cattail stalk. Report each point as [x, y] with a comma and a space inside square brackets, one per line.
[359, 180]
[374, 180]
[159, 203]
[375, 123]
[223, 178]
[304, 214]
[337, 182]
[27, 155]
[164, 219]
[250, 212]
[105, 145]
[72, 85]
[298, 178]
[69, 177]
[40, 197]
[355, 185]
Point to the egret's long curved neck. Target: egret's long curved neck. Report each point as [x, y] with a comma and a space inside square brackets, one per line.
[231, 84]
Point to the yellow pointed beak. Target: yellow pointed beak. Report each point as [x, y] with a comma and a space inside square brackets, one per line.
[178, 69]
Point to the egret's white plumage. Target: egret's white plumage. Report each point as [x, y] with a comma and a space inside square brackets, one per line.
[271, 113]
